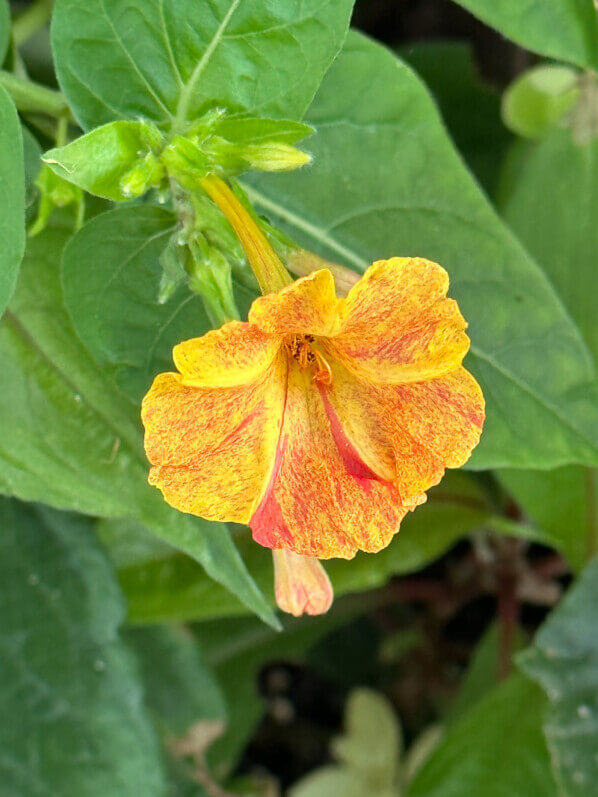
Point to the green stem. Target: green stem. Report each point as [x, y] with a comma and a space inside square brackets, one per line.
[31, 20]
[29, 96]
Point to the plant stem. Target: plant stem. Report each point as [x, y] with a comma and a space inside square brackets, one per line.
[267, 266]
[29, 96]
[31, 20]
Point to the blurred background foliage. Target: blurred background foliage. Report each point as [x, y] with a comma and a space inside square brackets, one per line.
[462, 659]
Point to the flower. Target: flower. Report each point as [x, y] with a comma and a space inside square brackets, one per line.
[301, 585]
[321, 421]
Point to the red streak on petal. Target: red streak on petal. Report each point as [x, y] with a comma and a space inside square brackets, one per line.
[268, 516]
[351, 459]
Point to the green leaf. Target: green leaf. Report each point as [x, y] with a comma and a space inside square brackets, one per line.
[72, 702]
[179, 58]
[538, 99]
[12, 198]
[563, 29]
[175, 588]
[4, 29]
[98, 161]
[497, 748]
[261, 131]
[72, 441]
[482, 673]
[560, 503]
[408, 194]
[564, 661]
[552, 208]
[32, 162]
[115, 306]
[181, 689]
[450, 72]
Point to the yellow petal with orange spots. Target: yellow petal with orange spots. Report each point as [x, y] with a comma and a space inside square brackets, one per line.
[212, 450]
[235, 354]
[398, 325]
[307, 307]
[409, 434]
[322, 500]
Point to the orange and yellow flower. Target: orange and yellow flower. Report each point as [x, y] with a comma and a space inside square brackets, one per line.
[321, 421]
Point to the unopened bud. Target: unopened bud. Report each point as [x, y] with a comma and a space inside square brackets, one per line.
[275, 157]
[301, 585]
[146, 173]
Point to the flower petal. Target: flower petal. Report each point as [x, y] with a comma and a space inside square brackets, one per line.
[235, 354]
[410, 434]
[213, 449]
[399, 327]
[322, 500]
[307, 307]
[301, 585]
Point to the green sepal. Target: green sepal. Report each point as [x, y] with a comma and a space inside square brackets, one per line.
[99, 160]
[210, 276]
[54, 192]
[537, 100]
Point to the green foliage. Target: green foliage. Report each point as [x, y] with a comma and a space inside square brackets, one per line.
[564, 661]
[538, 99]
[179, 58]
[562, 29]
[4, 29]
[71, 701]
[12, 198]
[470, 107]
[367, 754]
[99, 160]
[71, 440]
[496, 748]
[408, 193]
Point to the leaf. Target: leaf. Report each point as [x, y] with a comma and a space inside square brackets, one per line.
[179, 58]
[114, 305]
[552, 207]
[70, 689]
[368, 752]
[497, 748]
[72, 441]
[450, 72]
[181, 689]
[563, 29]
[4, 29]
[564, 661]
[560, 503]
[32, 164]
[537, 100]
[408, 194]
[482, 672]
[12, 198]
[176, 589]
[98, 161]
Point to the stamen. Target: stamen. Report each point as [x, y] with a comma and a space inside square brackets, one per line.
[300, 349]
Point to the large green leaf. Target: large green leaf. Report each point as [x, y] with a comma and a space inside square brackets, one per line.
[564, 660]
[71, 701]
[171, 60]
[553, 206]
[562, 29]
[114, 303]
[12, 198]
[174, 588]
[387, 181]
[495, 749]
[73, 441]
[560, 503]
[450, 72]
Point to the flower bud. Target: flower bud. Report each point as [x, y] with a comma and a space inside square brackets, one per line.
[275, 157]
[301, 585]
[147, 172]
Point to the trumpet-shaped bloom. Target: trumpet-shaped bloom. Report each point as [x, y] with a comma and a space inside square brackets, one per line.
[322, 420]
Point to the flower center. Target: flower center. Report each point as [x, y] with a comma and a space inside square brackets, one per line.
[301, 348]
